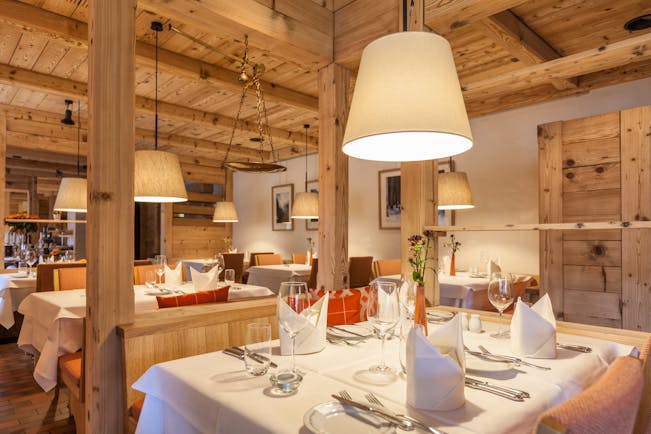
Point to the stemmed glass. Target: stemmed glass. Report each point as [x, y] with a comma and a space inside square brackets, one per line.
[500, 294]
[160, 261]
[297, 297]
[31, 258]
[383, 313]
[22, 254]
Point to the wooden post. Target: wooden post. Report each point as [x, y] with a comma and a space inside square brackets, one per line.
[4, 196]
[32, 195]
[418, 184]
[333, 176]
[109, 293]
[166, 230]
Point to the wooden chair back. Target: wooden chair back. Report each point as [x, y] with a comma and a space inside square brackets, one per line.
[299, 258]
[311, 282]
[45, 274]
[643, 421]
[273, 259]
[360, 271]
[608, 405]
[236, 262]
[138, 262]
[478, 300]
[140, 273]
[253, 259]
[69, 278]
[386, 267]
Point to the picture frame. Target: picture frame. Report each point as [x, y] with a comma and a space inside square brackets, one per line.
[282, 197]
[446, 217]
[312, 224]
[389, 199]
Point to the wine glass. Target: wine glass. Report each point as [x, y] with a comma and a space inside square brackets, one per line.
[22, 254]
[383, 313]
[31, 257]
[219, 261]
[257, 349]
[229, 276]
[160, 261]
[297, 297]
[500, 294]
[150, 279]
[407, 296]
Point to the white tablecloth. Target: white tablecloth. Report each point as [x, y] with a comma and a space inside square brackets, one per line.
[13, 289]
[53, 323]
[211, 393]
[271, 276]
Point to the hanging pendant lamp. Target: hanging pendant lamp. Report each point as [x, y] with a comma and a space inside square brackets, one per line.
[454, 190]
[225, 212]
[306, 204]
[157, 174]
[71, 196]
[407, 104]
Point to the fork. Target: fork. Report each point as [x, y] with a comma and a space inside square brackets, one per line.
[516, 360]
[370, 397]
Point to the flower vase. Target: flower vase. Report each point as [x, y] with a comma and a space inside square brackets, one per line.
[453, 271]
[420, 313]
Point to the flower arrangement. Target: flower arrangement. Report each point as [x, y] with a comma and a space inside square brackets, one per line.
[310, 244]
[453, 245]
[419, 249]
[21, 227]
[228, 243]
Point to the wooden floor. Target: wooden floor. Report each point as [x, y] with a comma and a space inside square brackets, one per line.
[24, 407]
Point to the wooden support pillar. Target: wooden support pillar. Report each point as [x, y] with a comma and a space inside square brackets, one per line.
[4, 196]
[418, 184]
[109, 293]
[166, 229]
[32, 195]
[333, 177]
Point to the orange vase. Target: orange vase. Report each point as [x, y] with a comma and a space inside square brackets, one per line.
[420, 314]
[453, 271]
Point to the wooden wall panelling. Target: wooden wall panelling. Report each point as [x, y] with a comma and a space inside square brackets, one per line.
[592, 278]
[597, 177]
[109, 293]
[589, 307]
[4, 203]
[636, 205]
[592, 206]
[550, 208]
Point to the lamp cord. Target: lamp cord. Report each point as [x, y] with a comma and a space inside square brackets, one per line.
[156, 95]
[306, 126]
[78, 135]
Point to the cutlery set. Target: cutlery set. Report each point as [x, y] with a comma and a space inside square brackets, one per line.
[505, 392]
[238, 353]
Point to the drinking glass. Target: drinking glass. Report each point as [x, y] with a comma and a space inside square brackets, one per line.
[229, 276]
[297, 297]
[219, 261]
[150, 279]
[383, 313]
[257, 348]
[500, 294]
[160, 261]
[407, 295]
[31, 257]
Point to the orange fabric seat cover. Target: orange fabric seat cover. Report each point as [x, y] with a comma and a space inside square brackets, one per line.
[346, 306]
[136, 408]
[70, 365]
[199, 297]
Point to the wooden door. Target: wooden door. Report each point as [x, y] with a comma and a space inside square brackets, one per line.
[597, 169]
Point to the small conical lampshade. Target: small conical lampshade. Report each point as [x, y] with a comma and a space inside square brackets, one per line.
[158, 178]
[71, 195]
[306, 206]
[454, 191]
[225, 212]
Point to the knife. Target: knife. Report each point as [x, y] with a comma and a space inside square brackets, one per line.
[579, 348]
[519, 392]
[341, 329]
[239, 352]
[374, 410]
[504, 394]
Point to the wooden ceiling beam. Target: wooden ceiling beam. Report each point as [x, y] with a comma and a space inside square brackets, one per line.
[68, 88]
[443, 16]
[508, 31]
[75, 33]
[294, 38]
[620, 53]
[22, 166]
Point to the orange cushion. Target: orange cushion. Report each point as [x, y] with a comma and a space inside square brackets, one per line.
[199, 297]
[70, 365]
[136, 409]
[346, 306]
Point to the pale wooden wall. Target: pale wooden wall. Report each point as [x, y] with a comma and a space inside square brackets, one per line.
[597, 169]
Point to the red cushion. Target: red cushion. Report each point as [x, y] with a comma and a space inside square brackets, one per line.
[136, 409]
[70, 365]
[199, 297]
[346, 306]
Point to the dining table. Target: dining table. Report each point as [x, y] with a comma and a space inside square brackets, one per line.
[271, 276]
[212, 393]
[53, 323]
[15, 285]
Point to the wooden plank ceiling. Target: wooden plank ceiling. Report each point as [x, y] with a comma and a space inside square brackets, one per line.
[509, 53]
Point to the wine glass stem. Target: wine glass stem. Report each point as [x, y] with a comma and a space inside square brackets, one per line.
[293, 344]
[499, 331]
[382, 364]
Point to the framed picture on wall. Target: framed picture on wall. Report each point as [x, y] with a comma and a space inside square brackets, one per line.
[312, 224]
[446, 217]
[281, 207]
[389, 198]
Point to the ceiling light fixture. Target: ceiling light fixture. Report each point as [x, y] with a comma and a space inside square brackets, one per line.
[72, 193]
[454, 190]
[306, 204]
[157, 174]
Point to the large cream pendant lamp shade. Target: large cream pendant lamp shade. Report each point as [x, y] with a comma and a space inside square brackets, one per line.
[158, 178]
[407, 104]
[454, 191]
[225, 212]
[306, 206]
[71, 196]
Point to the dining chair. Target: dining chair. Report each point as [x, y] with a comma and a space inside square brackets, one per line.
[69, 278]
[71, 370]
[140, 273]
[311, 281]
[253, 259]
[138, 262]
[643, 421]
[299, 258]
[360, 270]
[478, 300]
[386, 267]
[608, 406]
[45, 274]
[236, 262]
[274, 259]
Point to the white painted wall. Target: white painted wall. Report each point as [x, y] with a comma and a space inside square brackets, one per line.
[503, 172]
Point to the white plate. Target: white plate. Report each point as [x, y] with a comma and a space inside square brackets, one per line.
[440, 314]
[479, 275]
[478, 365]
[20, 275]
[158, 293]
[334, 418]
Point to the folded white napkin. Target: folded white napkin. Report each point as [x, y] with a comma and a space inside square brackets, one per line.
[436, 367]
[174, 276]
[533, 329]
[205, 281]
[312, 337]
[493, 267]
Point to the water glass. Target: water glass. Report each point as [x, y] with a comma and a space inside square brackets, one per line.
[383, 313]
[150, 279]
[500, 295]
[229, 276]
[406, 324]
[297, 297]
[257, 348]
